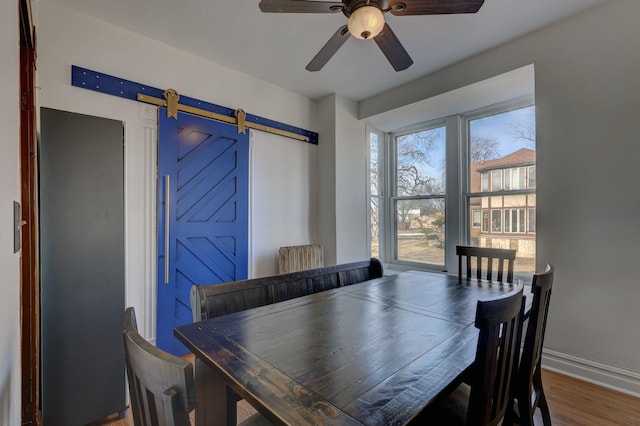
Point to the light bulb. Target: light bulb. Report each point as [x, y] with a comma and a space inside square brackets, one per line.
[366, 22]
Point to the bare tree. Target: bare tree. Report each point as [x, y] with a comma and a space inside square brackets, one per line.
[525, 131]
[414, 152]
[482, 148]
[374, 181]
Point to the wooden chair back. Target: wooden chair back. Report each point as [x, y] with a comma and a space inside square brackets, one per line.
[496, 357]
[501, 256]
[214, 300]
[528, 387]
[161, 385]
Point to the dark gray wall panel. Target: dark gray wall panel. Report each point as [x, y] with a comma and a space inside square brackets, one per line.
[82, 267]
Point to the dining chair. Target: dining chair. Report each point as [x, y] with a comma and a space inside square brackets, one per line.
[161, 385]
[501, 256]
[528, 391]
[485, 398]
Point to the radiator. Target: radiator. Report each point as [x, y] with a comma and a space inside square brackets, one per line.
[299, 258]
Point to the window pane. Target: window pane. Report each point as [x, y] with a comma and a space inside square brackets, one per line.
[514, 178]
[521, 176]
[532, 176]
[376, 141]
[496, 180]
[374, 148]
[476, 219]
[485, 182]
[504, 144]
[420, 231]
[532, 221]
[485, 220]
[496, 220]
[420, 163]
[375, 227]
[521, 220]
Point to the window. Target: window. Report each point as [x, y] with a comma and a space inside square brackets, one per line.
[502, 179]
[514, 178]
[485, 221]
[419, 196]
[476, 220]
[496, 180]
[375, 192]
[485, 182]
[531, 224]
[531, 182]
[514, 220]
[475, 171]
[496, 220]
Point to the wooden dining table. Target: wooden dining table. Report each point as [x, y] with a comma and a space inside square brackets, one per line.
[373, 353]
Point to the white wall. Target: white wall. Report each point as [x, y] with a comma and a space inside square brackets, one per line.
[588, 149]
[342, 192]
[283, 198]
[351, 194]
[10, 403]
[282, 169]
[327, 178]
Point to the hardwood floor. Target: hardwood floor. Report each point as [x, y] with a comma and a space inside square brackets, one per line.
[572, 402]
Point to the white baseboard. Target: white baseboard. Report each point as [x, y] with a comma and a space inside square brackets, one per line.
[615, 378]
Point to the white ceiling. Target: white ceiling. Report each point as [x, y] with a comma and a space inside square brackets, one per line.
[277, 47]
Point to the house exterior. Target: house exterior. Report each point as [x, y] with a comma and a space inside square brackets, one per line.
[504, 220]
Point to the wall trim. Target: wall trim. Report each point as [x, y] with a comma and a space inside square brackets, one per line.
[150, 290]
[609, 376]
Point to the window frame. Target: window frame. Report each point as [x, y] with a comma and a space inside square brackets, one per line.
[394, 198]
[521, 220]
[457, 196]
[382, 190]
[528, 190]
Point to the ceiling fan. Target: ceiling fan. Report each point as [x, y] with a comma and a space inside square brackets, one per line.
[366, 21]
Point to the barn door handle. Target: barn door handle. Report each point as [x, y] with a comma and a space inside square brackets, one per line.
[166, 229]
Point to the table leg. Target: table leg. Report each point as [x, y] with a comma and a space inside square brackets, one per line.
[216, 403]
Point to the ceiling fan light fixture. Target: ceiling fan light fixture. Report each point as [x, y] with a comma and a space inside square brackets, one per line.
[366, 22]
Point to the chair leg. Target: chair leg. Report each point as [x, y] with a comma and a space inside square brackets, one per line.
[544, 409]
[526, 414]
[542, 400]
[522, 410]
[510, 415]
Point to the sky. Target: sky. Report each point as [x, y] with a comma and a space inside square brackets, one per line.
[499, 127]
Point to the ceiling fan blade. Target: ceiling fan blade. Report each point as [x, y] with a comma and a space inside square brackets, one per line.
[300, 6]
[433, 7]
[329, 49]
[393, 49]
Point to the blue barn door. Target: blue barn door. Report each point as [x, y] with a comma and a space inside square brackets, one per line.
[202, 229]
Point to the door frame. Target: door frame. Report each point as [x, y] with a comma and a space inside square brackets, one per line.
[29, 261]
